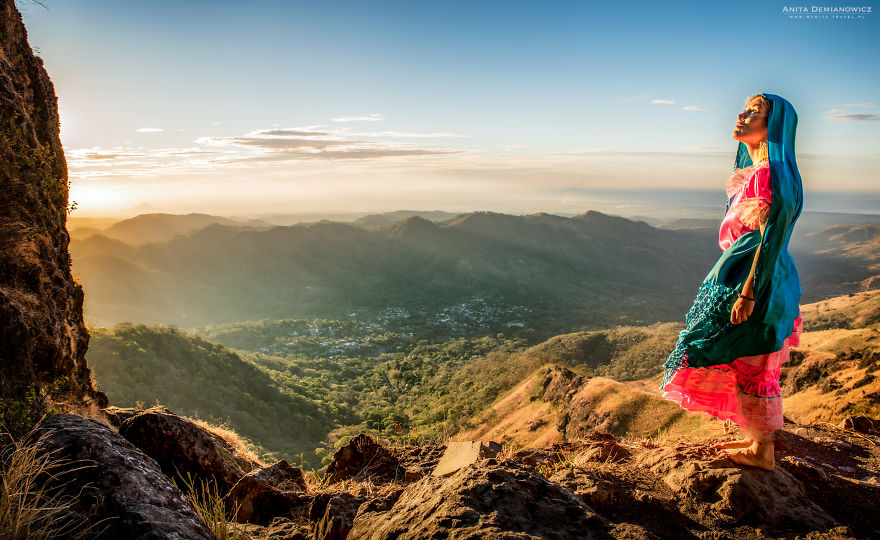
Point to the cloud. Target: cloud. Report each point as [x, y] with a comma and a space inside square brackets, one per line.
[308, 143]
[843, 116]
[663, 101]
[263, 147]
[405, 134]
[272, 143]
[692, 151]
[293, 132]
[376, 117]
[342, 153]
[96, 162]
[148, 130]
[96, 153]
[695, 108]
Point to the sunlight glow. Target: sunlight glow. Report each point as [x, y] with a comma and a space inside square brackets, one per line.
[92, 197]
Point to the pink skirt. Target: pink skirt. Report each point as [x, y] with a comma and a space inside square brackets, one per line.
[745, 391]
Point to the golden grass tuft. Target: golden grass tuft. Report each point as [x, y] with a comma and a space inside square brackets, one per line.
[28, 510]
[210, 506]
[240, 449]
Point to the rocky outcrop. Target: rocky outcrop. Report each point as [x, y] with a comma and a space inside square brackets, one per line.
[562, 387]
[862, 424]
[460, 454]
[629, 489]
[492, 498]
[121, 492]
[723, 494]
[43, 339]
[826, 484]
[364, 458]
[270, 492]
[183, 448]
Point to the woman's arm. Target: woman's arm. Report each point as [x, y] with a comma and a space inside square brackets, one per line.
[749, 286]
[743, 307]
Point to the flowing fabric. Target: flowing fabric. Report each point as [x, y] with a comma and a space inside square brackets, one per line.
[710, 339]
[745, 391]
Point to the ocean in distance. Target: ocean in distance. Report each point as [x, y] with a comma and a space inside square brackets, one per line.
[668, 204]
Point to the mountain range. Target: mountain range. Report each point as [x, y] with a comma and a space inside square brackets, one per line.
[543, 271]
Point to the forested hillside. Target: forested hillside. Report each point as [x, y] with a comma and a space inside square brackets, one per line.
[135, 364]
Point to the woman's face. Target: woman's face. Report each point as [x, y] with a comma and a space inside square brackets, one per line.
[751, 125]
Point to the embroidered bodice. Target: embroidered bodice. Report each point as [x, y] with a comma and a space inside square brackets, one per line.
[749, 192]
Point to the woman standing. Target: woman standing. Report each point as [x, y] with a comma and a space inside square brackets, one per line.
[746, 314]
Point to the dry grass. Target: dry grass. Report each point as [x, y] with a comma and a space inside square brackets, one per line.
[28, 508]
[223, 431]
[636, 411]
[210, 505]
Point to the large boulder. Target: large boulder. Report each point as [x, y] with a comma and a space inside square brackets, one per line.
[183, 448]
[121, 491]
[492, 498]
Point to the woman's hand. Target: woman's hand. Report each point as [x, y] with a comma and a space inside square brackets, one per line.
[742, 309]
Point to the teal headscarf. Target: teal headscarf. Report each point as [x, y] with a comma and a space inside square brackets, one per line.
[710, 338]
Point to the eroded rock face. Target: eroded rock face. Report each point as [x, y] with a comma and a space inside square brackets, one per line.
[493, 498]
[116, 482]
[43, 339]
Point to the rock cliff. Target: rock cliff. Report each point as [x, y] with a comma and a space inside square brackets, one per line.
[43, 338]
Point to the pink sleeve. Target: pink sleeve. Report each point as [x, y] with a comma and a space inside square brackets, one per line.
[754, 207]
[759, 185]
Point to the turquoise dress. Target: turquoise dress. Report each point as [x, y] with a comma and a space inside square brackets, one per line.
[710, 339]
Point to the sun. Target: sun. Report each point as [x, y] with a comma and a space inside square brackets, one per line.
[93, 197]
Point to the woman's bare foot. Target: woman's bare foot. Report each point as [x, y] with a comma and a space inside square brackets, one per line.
[757, 455]
[741, 443]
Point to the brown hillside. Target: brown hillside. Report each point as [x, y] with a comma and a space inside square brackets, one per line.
[830, 376]
[856, 310]
[554, 404]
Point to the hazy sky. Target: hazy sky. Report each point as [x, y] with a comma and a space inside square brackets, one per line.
[287, 106]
